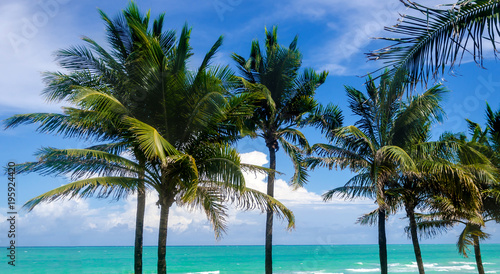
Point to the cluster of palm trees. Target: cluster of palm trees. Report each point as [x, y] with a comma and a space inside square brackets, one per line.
[449, 181]
[139, 98]
[453, 180]
[179, 126]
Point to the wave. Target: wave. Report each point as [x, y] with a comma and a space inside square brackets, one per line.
[458, 266]
[316, 272]
[363, 269]
[462, 262]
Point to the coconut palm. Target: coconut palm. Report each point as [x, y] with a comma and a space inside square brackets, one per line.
[487, 142]
[374, 147]
[92, 66]
[438, 175]
[287, 96]
[440, 37]
[445, 214]
[189, 148]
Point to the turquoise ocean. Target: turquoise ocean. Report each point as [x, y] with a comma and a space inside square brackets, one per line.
[248, 259]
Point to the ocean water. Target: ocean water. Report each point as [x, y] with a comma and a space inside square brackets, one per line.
[248, 259]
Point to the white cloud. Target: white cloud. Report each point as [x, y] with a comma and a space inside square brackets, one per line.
[80, 222]
[284, 192]
[78, 215]
[29, 36]
[352, 26]
[254, 158]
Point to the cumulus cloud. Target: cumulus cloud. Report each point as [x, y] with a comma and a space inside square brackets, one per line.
[30, 32]
[78, 216]
[91, 222]
[284, 192]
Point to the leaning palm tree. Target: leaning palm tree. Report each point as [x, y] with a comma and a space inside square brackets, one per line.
[374, 147]
[445, 214]
[287, 96]
[437, 175]
[440, 37]
[93, 67]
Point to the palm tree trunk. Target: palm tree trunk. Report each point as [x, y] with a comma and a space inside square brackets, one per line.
[269, 220]
[410, 212]
[477, 253]
[139, 228]
[139, 222]
[162, 236]
[382, 241]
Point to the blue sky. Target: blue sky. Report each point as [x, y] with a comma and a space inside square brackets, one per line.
[333, 36]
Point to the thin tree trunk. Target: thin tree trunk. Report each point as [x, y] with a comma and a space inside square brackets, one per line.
[410, 212]
[477, 253]
[139, 221]
[269, 220]
[139, 228]
[162, 236]
[382, 241]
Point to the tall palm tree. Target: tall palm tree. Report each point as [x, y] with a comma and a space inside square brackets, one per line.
[287, 96]
[426, 44]
[92, 66]
[374, 147]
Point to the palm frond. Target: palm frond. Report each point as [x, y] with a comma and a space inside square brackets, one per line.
[151, 141]
[440, 37]
[102, 187]
[300, 175]
[369, 218]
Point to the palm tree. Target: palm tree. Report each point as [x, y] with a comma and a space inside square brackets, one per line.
[440, 37]
[94, 67]
[438, 175]
[374, 147]
[287, 96]
[190, 148]
[446, 214]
